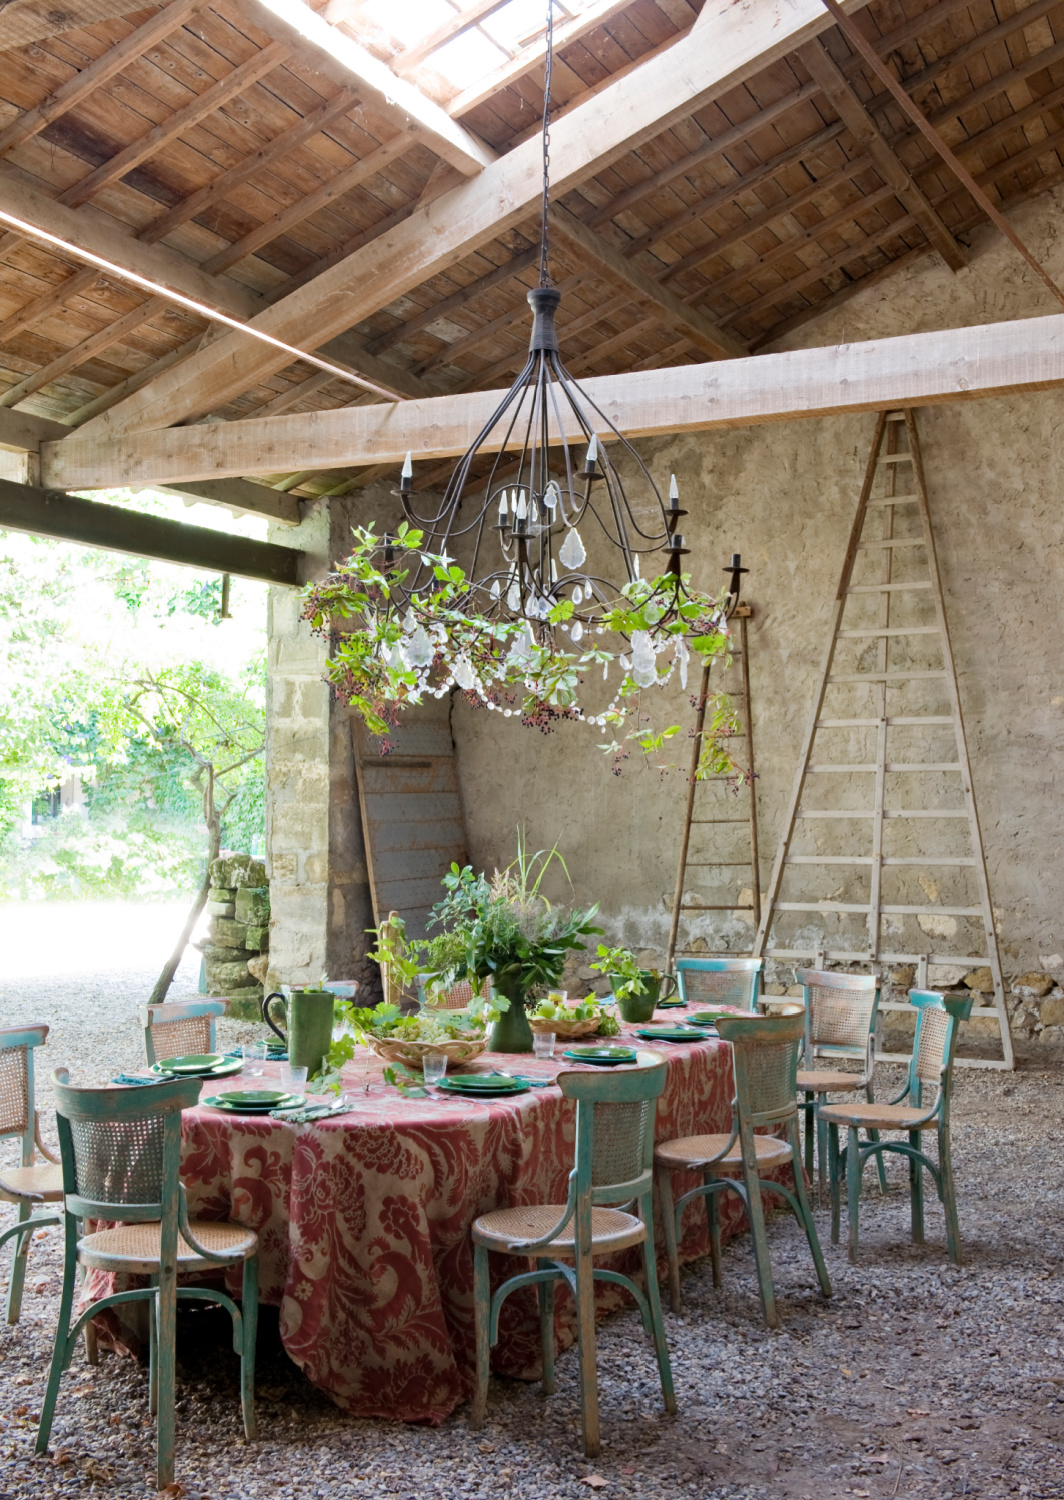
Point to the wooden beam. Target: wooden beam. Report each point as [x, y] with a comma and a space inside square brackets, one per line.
[920, 369]
[25, 21]
[114, 528]
[243, 497]
[457, 300]
[825, 71]
[729, 45]
[77, 87]
[702, 331]
[21, 431]
[332, 52]
[411, 58]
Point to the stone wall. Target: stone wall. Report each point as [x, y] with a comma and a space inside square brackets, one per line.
[236, 949]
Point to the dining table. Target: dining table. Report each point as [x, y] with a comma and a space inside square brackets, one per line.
[364, 1217]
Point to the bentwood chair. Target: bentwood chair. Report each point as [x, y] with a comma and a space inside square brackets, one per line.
[180, 1028]
[931, 1064]
[840, 1025]
[121, 1157]
[454, 997]
[615, 1115]
[719, 981]
[765, 1056]
[32, 1184]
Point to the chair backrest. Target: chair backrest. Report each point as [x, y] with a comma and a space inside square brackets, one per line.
[840, 1014]
[765, 1053]
[719, 981]
[179, 1028]
[456, 997]
[121, 1148]
[937, 1018]
[615, 1115]
[16, 1082]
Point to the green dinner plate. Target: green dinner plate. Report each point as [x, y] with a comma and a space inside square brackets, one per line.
[454, 1086]
[198, 1062]
[708, 1017]
[605, 1056]
[224, 1069]
[254, 1101]
[669, 1034]
[490, 1081]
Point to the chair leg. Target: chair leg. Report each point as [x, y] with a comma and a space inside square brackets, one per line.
[821, 1148]
[873, 1135]
[806, 1214]
[672, 1249]
[809, 1124]
[853, 1186]
[249, 1307]
[546, 1334]
[92, 1344]
[482, 1318]
[62, 1340]
[650, 1267]
[762, 1259]
[166, 1340]
[18, 1266]
[585, 1323]
[713, 1215]
[949, 1196]
[153, 1355]
[916, 1190]
[833, 1180]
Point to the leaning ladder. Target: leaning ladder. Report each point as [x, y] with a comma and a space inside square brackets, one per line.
[719, 805]
[898, 600]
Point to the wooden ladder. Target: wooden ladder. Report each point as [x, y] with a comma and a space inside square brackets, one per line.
[888, 644]
[719, 805]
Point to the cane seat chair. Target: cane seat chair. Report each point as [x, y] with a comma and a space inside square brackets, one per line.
[615, 1115]
[840, 1026]
[180, 1028]
[121, 1152]
[719, 981]
[452, 997]
[765, 1052]
[32, 1184]
[931, 1066]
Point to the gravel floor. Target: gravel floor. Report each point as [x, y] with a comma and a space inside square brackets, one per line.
[916, 1379]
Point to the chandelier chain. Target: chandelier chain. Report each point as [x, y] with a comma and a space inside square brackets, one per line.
[544, 242]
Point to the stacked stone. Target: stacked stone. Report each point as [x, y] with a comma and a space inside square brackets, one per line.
[238, 905]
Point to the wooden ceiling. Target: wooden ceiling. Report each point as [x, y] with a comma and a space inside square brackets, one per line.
[204, 134]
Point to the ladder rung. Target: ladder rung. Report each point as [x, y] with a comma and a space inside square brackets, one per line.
[853, 635]
[912, 812]
[895, 458]
[749, 906]
[841, 956]
[891, 765]
[829, 859]
[918, 864]
[892, 500]
[932, 911]
[827, 813]
[882, 676]
[887, 588]
[709, 864]
[894, 541]
[720, 820]
[892, 721]
[819, 906]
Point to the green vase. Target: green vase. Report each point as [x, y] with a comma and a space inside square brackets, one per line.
[639, 1006]
[511, 1032]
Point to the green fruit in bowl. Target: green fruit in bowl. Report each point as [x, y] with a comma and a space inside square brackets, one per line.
[547, 1009]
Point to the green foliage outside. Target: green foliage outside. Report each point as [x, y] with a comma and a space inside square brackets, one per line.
[121, 670]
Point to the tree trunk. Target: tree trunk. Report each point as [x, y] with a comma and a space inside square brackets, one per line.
[214, 844]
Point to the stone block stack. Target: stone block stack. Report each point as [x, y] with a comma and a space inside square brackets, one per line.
[238, 906]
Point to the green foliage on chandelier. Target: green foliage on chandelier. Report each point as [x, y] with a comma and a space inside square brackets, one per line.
[394, 644]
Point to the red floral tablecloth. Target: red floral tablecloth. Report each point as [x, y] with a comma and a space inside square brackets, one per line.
[363, 1221]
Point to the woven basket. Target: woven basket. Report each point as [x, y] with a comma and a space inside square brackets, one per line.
[394, 1049]
[565, 1029]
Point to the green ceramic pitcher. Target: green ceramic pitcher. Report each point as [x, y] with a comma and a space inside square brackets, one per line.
[639, 1005]
[309, 1023]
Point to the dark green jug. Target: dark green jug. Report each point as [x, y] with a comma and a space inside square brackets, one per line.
[309, 1023]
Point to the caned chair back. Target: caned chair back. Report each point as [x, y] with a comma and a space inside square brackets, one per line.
[937, 1019]
[455, 997]
[179, 1028]
[840, 1015]
[765, 1053]
[121, 1148]
[719, 981]
[16, 1082]
[615, 1115]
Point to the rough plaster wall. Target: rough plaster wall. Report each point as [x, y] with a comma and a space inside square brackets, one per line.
[784, 496]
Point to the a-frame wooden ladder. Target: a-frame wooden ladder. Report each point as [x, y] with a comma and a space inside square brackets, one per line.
[887, 711]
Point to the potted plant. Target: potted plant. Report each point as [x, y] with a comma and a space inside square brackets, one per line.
[637, 991]
[514, 935]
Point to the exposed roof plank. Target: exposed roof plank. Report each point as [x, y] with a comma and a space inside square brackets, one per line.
[25, 21]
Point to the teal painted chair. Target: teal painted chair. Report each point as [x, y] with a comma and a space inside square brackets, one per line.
[615, 1115]
[840, 1026]
[32, 1184]
[180, 1028]
[121, 1151]
[931, 1066]
[765, 1051]
[719, 981]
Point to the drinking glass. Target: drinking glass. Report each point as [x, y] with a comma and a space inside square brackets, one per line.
[558, 996]
[254, 1059]
[293, 1080]
[434, 1066]
[543, 1043]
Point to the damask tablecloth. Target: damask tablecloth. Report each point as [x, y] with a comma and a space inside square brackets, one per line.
[364, 1220]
